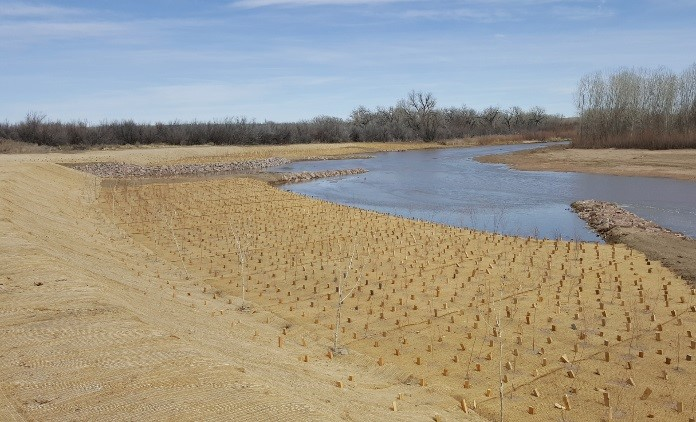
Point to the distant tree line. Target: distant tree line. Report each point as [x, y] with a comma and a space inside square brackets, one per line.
[415, 117]
[637, 108]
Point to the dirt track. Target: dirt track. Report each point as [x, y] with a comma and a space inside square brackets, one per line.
[121, 303]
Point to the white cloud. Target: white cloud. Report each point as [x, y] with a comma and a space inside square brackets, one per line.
[42, 31]
[491, 11]
[250, 4]
[22, 10]
[28, 23]
[265, 3]
[673, 4]
[479, 15]
[582, 13]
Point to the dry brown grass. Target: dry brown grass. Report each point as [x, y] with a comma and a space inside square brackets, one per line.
[8, 146]
[540, 136]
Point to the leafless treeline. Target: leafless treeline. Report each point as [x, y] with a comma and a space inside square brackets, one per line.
[417, 117]
[414, 118]
[637, 108]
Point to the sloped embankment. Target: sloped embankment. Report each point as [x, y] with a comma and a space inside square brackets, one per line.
[95, 326]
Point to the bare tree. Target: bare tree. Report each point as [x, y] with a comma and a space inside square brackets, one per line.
[638, 108]
[421, 116]
[537, 115]
[508, 117]
[241, 243]
[414, 117]
[489, 116]
[341, 281]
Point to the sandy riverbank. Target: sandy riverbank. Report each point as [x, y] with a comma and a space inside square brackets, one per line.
[675, 164]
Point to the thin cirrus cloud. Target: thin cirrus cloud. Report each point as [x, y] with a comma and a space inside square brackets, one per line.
[14, 32]
[582, 13]
[482, 11]
[493, 11]
[26, 31]
[480, 15]
[251, 4]
[21, 10]
[33, 22]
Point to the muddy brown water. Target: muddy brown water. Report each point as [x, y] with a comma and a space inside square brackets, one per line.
[448, 186]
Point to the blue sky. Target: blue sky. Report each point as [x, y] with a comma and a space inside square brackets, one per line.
[286, 60]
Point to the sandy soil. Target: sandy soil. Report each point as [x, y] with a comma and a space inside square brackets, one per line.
[682, 252]
[122, 302]
[92, 327]
[616, 225]
[676, 164]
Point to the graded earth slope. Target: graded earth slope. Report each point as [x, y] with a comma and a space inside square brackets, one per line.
[93, 326]
[123, 302]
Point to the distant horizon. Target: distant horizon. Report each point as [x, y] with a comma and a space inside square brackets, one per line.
[286, 61]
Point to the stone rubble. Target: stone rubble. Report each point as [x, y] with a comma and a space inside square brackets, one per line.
[605, 216]
[123, 170]
[311, 175]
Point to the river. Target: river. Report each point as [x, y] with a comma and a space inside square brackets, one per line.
[448, 186]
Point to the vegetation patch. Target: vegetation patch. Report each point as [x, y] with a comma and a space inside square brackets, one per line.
[414, 118]
[637, 108]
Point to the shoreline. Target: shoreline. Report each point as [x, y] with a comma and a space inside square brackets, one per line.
[231, 161]
[675, 250]
[672, 164]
